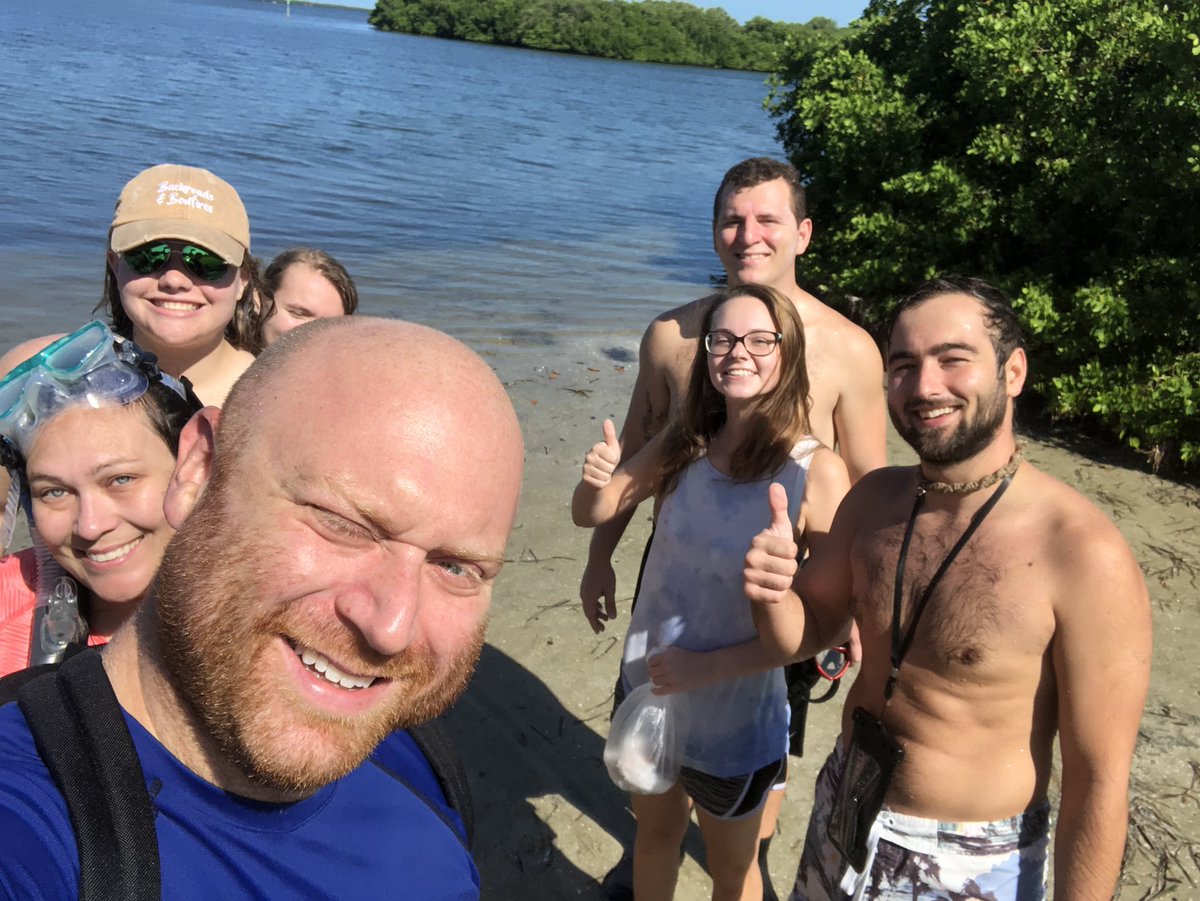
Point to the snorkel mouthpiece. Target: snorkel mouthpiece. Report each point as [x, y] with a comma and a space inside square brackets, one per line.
[57, 623]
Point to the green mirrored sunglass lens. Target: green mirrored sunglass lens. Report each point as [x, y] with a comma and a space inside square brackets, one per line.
[148, 258]
[204, 263]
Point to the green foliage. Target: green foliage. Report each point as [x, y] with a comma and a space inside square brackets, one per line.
[1050, 147]
[661, 31]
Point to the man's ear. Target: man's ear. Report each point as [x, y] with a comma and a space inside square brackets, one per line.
[193, 466]
[1015, 370]
[804, 234]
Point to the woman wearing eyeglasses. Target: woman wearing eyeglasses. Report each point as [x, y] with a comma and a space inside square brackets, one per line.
[89, 431]
[179, 279]
[710, 471]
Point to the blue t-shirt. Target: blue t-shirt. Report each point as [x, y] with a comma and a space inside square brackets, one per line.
[368, 835]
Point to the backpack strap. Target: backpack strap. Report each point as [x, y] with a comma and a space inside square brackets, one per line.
[11, 684]
[81, 735]
[439, 749]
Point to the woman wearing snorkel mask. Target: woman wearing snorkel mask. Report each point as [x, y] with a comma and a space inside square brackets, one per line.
[179, 279]
[89, 430]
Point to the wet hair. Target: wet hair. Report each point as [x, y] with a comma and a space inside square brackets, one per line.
[779, 415]
[333, 271]
[167, 412]
[756, 171]
[244, 330]
[1003, 326]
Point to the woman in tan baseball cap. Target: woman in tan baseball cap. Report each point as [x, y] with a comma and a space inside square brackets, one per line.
[179, 279]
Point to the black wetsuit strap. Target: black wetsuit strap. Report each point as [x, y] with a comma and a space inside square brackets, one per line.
[901, 644]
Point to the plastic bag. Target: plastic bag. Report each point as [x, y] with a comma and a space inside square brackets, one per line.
[646, 741]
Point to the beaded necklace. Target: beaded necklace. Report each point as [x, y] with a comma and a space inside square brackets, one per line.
[987, 481]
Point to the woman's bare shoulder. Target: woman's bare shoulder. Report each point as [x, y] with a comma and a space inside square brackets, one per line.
[23, 351]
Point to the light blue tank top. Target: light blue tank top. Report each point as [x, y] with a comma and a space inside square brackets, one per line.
[692, 594]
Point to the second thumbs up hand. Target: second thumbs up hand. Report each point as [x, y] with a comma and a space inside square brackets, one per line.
[601, 461]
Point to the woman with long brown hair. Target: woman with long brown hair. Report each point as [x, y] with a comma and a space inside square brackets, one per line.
[711, 470]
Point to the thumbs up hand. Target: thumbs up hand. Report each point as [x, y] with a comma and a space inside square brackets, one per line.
[601, 461]
[771, 562]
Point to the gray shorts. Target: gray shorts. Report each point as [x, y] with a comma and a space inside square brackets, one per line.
[920, 859]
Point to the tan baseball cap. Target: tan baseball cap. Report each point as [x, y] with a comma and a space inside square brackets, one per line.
[184, 203]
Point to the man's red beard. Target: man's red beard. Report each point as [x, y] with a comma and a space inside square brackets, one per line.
[217, 650]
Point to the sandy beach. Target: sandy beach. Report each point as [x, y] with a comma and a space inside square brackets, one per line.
[533, 723]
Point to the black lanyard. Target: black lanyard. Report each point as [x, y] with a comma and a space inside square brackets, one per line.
[900, 647]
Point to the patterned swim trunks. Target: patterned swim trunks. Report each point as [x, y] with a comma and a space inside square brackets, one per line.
[919, 859]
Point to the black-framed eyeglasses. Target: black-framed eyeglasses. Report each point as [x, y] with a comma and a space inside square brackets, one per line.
[201, 262]
[758, 343]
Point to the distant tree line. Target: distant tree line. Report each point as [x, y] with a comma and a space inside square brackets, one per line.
[651, 31]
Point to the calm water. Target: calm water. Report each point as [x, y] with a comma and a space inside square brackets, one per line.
[530, 203]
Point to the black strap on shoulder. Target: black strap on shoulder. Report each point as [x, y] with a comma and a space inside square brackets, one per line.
[81, 735]
[441, 752]
[902, 642]
[11, 684]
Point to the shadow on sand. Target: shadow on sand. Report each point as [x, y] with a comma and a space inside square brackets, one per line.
[530, 761]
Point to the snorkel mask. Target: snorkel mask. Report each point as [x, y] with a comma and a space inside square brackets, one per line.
[90, 367]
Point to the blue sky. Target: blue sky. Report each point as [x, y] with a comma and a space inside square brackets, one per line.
[841, 11]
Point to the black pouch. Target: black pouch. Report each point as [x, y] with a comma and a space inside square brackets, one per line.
[871, 760]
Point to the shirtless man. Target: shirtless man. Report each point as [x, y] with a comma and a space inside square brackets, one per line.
[1040, 624]
[760, 226]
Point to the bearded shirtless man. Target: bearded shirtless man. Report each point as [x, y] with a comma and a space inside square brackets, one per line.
[1040, 625]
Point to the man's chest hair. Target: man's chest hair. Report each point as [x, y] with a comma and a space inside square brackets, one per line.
[980, 607]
